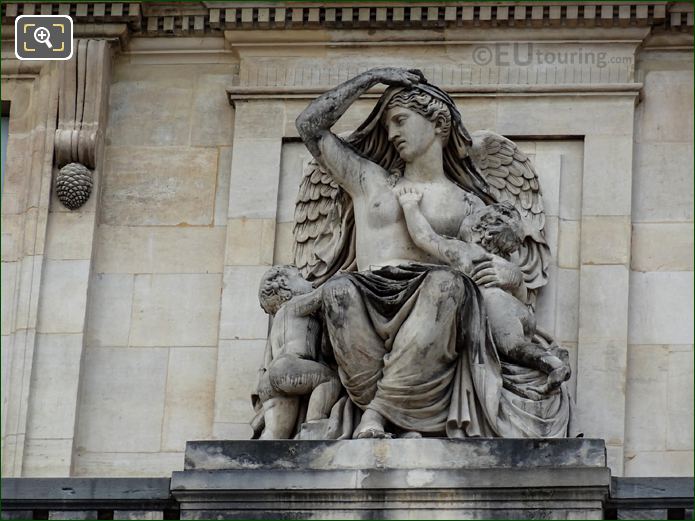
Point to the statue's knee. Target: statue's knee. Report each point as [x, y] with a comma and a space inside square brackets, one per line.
[445, 282]
[338, 295]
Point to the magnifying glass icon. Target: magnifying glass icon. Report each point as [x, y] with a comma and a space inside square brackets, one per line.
[43, 35]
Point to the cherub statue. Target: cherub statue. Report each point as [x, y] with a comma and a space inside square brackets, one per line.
[291, 369]
[493, 230]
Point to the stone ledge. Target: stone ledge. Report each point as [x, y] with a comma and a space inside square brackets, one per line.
[440, 453]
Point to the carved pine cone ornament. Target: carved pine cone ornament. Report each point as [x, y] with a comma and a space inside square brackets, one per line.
[74, 185]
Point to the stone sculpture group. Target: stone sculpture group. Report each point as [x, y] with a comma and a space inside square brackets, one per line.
[419, 252]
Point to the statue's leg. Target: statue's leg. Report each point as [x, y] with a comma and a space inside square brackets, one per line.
[358, 350]
[416, 385]
[322, 399]
[280, 414]
[296, 376]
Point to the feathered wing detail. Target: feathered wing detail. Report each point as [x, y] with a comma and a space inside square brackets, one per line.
[511, 177]
[323, 226]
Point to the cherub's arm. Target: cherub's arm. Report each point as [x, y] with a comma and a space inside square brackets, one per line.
[454, 252]
[307, 304]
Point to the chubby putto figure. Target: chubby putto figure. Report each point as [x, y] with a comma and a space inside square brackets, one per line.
[291, 369]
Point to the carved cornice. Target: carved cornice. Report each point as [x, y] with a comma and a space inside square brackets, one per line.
[167, 18]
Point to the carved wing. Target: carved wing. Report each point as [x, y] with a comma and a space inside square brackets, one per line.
[323, 226]
[511, 177]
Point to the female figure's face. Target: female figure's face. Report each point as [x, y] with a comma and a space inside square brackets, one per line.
[411, 133]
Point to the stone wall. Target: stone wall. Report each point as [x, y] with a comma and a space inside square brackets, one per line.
[132, 325]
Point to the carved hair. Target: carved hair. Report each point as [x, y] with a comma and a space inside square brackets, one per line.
[428, 107]
[500, 227]
[274, 291]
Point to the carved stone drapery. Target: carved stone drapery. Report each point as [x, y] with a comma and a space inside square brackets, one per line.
[83, 97]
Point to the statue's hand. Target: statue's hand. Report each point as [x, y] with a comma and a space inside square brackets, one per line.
[397, 76]
[496, 272]
[408, 196]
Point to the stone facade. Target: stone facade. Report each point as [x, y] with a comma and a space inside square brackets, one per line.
[131, 324]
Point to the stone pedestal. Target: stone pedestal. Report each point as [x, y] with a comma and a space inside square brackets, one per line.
[387, 479]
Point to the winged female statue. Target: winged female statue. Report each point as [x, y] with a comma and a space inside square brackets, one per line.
[411, 336]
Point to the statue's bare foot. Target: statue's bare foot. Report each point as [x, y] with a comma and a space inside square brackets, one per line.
[371, 426]
[411, 435]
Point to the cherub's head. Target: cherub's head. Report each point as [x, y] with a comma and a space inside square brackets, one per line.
[278, 285]
[497, 228]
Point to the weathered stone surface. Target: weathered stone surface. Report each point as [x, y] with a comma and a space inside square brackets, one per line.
[63, 296]
[394, 454]
[661, 308]
[159, 249]
[188, 407]
[122, 414]
[384, 479]
[662, 247]
[175, 310]
[110, 310]
[158, 186]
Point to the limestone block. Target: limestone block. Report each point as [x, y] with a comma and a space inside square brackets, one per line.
[232, 431]
[661, 308]
[190, 396]
[294, 157]
[549, 169]
[605, 240]
[250, 242]
[69, 235]
[110, 310]
[564, 115]
[8, 277]
[212, 117]
[284, 242]
[254, 178]
[568, 244]
[63, 296]
[663, 182]
[647, 398]
[28, 285]
[606, 184]
[47, 458]
[662, 247]
[666, 110]
[54, 380]
[237, 368]
[150, 105]
[547, 303]
[242, 316]
[16, 182]
[659, 463]
[159, 249]
[601, 390]
[567, 305]
[603, 311]
[679, 427]
[129, 464]
[259, 119]
[159, 186]
[571, 181]
[122, 401]
[175, 310]
[224, 168]
[615, 458]
[12, 237]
